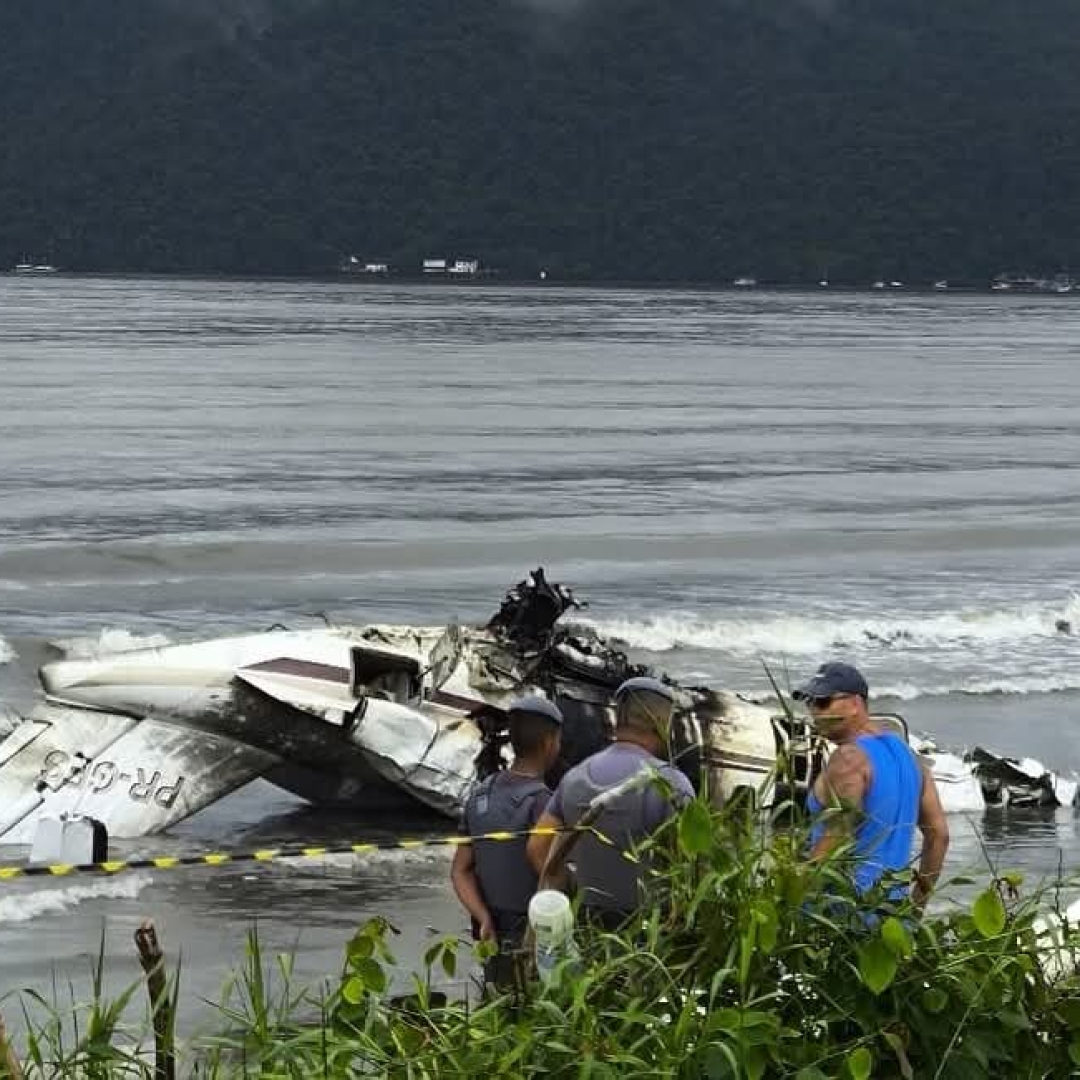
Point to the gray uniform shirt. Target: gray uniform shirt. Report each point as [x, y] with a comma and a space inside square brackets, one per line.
[607, 879]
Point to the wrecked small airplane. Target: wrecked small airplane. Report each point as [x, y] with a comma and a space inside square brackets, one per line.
[372, 718]
[376, 717]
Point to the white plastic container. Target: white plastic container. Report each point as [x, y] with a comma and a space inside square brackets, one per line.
[71, 839]
[552, 923]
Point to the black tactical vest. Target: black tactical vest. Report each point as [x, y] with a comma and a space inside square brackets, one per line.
[512, 803]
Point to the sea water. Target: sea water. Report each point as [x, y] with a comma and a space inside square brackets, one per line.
[729, 479]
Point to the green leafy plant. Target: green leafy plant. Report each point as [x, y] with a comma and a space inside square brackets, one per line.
[753, 963]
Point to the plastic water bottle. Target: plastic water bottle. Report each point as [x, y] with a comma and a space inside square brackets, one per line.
[552, 924]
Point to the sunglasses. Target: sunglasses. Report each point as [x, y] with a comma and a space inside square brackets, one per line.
[825, 702]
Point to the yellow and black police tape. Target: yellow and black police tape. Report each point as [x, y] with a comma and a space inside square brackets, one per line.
[275, 854]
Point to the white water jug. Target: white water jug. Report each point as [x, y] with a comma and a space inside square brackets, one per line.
[71, 839]
[552, 924]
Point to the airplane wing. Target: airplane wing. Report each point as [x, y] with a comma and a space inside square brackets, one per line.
[135, 776]
[41, 748]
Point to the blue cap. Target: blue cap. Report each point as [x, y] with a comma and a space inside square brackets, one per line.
[645, 684]
[536, 705]
[832, 678]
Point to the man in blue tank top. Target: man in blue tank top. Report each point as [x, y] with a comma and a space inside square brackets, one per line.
[874, 791]
[493, 878]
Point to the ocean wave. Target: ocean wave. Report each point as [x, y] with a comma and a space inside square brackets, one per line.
[108, 641]
[25, 906]
[1019, 686]
[779, 635]
[7, 653]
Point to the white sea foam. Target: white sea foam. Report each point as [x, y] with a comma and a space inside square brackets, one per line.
[26, 906]
[7, 653]
[388, 859]
[975, 686]
[9, 720]
[807, 636]
[113, 640]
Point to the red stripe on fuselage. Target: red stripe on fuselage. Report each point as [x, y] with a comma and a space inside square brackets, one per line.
[455, 701]
[306, 669]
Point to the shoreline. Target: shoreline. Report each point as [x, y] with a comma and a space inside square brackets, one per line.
[496, 281]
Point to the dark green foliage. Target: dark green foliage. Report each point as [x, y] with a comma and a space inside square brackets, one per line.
[757, 965]
[599, 138]
[760, 965]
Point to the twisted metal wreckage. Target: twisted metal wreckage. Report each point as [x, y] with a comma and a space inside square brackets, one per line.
[384, 717]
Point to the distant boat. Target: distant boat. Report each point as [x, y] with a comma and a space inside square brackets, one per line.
[353, 265]
[744, 282]
[823, 283]
[464, 268]
[1026, 283]
[1030, 283]
[878, 285]
[28, 268]
[941, 286]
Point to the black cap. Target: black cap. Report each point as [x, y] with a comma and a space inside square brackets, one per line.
[535, 705]
[832, 678]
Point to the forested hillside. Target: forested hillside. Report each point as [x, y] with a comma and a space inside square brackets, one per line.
[602, 139]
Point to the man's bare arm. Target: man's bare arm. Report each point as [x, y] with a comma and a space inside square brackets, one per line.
[537, 847]
[467, 886]
[934, 827]
[842, 790]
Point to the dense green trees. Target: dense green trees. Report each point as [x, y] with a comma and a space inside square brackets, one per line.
[600, 138]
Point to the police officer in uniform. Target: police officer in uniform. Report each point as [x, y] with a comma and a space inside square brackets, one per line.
[493, 879]
[611, 884]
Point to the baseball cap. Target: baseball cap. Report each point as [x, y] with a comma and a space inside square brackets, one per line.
[536, 705]
[645, 684]
[832, 678]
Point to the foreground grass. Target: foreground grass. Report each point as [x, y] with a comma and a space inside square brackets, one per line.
[756, 965]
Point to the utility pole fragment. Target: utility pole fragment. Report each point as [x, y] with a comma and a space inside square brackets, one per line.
[161, 1007]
